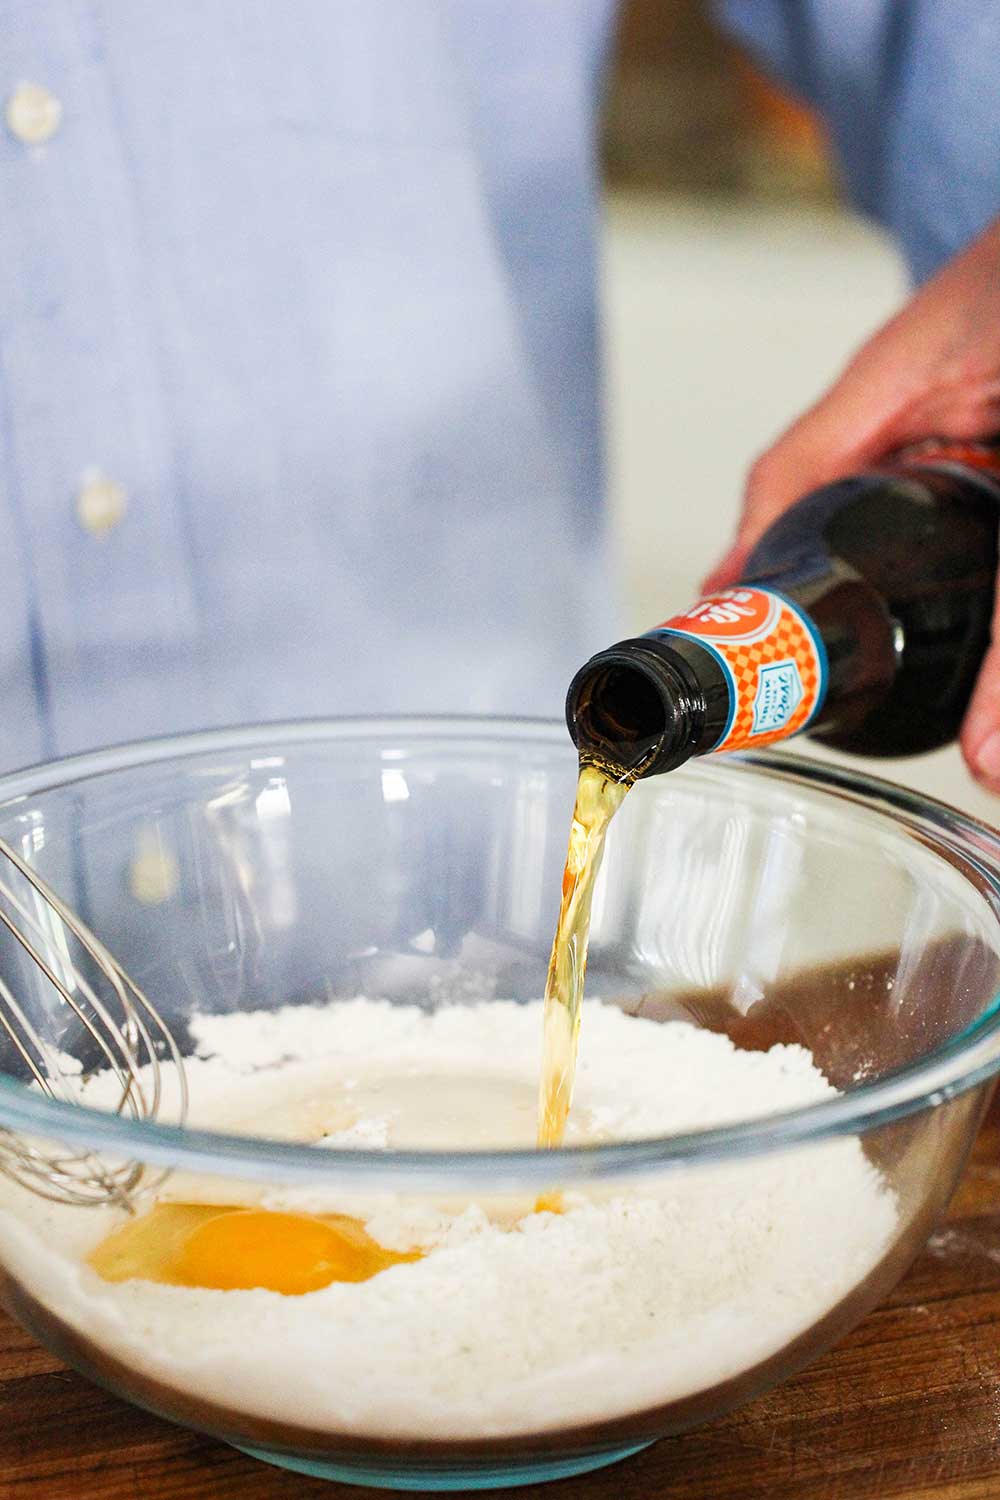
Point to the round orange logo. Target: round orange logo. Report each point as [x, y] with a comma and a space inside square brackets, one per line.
[735, 614]
[773, 660]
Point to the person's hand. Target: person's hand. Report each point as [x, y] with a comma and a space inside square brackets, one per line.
[933, 371]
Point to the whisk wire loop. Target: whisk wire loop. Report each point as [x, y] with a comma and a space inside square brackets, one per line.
[106, 1007]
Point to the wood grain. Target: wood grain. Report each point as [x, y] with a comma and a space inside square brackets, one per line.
[907, 1408]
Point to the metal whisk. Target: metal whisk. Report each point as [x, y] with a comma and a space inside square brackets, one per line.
[77, 987]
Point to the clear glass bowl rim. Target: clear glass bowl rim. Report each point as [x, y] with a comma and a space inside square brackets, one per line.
[960, 1064]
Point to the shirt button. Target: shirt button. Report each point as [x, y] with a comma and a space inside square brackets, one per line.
[33, 114]
[100, 503]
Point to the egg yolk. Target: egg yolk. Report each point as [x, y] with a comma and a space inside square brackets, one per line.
[239, 1249]
[549, 1203]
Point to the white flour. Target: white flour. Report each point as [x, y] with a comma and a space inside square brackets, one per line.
[636, 1295]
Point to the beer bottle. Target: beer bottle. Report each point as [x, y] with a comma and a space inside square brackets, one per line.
[861, 617]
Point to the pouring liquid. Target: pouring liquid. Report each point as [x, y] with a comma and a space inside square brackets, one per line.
[600, 791]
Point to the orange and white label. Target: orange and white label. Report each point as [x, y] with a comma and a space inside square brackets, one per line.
[983, 457]
[772, 656]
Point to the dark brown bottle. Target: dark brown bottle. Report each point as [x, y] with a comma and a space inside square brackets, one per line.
[861, 617]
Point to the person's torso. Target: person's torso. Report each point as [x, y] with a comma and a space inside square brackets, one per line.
[312, 287]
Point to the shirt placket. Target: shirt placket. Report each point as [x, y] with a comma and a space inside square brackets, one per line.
[89, 459]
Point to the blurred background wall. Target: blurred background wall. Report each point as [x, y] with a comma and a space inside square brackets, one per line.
[736, 284]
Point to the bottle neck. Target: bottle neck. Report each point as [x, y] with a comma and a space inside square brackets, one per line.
[741, 669]
[864, 616]
[646, 705]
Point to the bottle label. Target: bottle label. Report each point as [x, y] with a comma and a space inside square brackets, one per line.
[984, 458]
[773, 658]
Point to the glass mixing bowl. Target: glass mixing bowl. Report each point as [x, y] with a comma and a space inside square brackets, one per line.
[418, 862]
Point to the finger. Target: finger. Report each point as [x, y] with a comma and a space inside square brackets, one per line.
[813, 452]
[726, 571]
[853, 425]
[981, 731]
[932, 371]
[856, 423]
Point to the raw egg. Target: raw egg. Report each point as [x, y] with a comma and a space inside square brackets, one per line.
[239, 1249]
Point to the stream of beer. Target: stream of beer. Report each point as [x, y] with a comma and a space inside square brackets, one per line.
[600, 792]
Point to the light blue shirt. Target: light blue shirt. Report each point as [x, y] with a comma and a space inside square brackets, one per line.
[312, 286]
[313, 283]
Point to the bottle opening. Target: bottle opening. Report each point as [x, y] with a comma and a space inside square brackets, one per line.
[617, 713]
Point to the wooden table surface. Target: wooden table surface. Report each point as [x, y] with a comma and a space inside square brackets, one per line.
[907, 1406]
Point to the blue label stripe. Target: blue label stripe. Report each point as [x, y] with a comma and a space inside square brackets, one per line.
[822, 660]
[821, 656]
